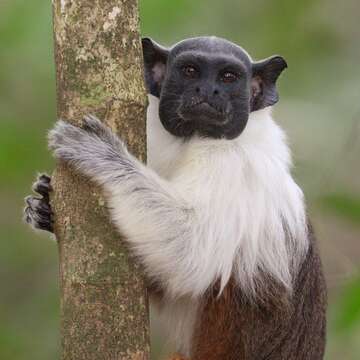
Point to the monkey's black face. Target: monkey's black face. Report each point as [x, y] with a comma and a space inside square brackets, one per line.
[205, 93]
[208, 86]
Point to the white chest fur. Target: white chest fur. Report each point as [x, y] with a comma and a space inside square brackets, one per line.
[251, 209]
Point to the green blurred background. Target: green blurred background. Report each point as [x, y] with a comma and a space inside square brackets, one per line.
[319, 108]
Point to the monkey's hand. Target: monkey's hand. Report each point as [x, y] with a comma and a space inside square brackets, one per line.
[92, 149]
[38, 212]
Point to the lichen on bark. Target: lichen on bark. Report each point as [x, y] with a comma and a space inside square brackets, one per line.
[104, 309]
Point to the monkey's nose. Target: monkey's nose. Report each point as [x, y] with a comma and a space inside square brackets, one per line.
[206, 91]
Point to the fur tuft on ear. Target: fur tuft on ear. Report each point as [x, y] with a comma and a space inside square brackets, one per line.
[155, 58]
[263, 84]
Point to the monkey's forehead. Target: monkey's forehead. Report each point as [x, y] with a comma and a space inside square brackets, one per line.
[213, 45]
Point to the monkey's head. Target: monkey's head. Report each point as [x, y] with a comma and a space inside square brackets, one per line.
[209, 85]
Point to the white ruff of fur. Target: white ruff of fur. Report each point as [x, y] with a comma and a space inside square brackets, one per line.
[249, 214]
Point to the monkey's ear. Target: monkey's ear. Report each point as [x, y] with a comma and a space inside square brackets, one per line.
[155, 58]
[263, 83]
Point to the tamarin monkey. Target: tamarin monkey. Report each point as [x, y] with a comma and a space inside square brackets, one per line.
[215, 218]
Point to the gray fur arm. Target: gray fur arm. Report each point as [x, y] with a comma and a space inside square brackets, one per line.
[155, 219]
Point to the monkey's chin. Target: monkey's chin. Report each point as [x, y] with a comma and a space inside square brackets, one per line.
[187, 125]
[203, 113]
[228, 129]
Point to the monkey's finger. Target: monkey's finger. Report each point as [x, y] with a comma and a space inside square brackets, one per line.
[93, 124]
[38, 205]
[42, 186]
[38, 220]
[44, 178]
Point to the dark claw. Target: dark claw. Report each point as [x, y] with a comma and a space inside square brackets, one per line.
[38, 221]
[42, 185]
[38, 211]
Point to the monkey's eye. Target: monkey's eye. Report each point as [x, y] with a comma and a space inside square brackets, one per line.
[229, 77]
[190, 71]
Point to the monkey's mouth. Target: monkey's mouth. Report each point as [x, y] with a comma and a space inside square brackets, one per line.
[203, 111]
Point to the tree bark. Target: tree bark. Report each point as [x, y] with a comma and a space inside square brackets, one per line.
[104, 307]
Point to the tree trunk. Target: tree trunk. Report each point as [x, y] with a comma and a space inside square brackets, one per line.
[104, 308]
